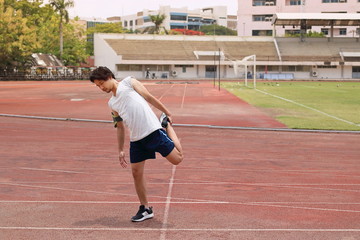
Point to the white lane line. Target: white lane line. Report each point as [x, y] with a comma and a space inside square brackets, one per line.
[190, 182]
[109, 193]
[313, 109]
[183, 98]
[103, 202]
[304, 208]
[259, 204]
[176, 202]
[50, 170]
[166, 92]
[167, 206]
[186, 229]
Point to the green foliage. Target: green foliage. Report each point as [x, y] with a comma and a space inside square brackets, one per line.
[308, 34]
[157, 20]
[28, 27]
[17, 37]
[60, 6]
[103, 28]
[106, 28]
[217, 30]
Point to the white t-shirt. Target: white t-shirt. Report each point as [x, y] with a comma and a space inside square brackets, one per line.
[134, 110]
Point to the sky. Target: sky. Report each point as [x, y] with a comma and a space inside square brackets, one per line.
[109, 8]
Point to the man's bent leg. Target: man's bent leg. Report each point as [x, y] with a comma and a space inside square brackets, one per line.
[139, 181]
[176, 156]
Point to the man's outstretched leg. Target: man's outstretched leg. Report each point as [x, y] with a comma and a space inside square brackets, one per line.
[145, 212]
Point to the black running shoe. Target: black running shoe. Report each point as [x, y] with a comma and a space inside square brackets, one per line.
[143, 214]
[164, 120]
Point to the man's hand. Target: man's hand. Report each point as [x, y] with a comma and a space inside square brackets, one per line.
[170, 119]
[122, 160]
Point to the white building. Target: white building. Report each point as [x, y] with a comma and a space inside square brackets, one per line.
[181, 18]
[206, 57]
[255, 16]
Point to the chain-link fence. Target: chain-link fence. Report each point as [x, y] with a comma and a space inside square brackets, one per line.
[40, 73]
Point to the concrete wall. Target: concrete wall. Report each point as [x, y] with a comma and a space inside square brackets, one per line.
[104, 54]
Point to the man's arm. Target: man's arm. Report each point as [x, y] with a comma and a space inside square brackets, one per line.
[140, 88]
[120, 128]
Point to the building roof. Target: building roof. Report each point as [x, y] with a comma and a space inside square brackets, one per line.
[317, 19]
[45, 60]
[159, 49]
[188, 50]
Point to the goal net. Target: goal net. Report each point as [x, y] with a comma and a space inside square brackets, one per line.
[241, 68]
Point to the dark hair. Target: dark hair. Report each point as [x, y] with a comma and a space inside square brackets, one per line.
[101, 73]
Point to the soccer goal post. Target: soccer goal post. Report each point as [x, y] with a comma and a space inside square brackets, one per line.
[241, 66]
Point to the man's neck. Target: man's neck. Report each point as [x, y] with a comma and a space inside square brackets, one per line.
[115, 86]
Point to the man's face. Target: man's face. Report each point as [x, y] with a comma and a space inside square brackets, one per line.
[103, 85]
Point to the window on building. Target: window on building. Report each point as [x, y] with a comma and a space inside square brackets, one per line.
[325, 31]
[177, 17]
[184, 67]
[334, 1]
[177, 27]
[208, 21]
[194, 19]
[294, 2]
[125, 23]
[260, 68]
[261, 32]
[129, 67]
[356, 72]
[147, 19]
[292, 32]
[342, 31]
[290, 68]
[264, 2]
[326, 66]
[158, 68]
[262, 18]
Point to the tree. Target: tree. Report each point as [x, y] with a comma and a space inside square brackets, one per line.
[74, 51]
[60, 7]
[102, 28]
[157, 20]
[217, 30]
[106, 28]
[17, 39]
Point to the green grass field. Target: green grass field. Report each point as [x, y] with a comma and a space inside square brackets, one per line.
[315, 105]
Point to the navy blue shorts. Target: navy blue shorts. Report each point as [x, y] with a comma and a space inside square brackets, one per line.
[145, 148]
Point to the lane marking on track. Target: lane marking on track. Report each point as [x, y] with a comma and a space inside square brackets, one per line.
[104, 202]
[186, 229]
[183, 98]
[108, 193]
[165, 92]
[167, 206]
[175, 202]
[164, 228]
[50, 170]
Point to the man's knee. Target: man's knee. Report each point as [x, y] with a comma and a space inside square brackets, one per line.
[175, 157]
[137, 171]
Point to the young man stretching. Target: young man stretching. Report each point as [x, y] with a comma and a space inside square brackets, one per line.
[129, 105]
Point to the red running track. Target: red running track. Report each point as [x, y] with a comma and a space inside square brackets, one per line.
[61, 180]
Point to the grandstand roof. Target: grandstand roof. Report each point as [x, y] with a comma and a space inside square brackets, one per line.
[317, 19]
[172, 50]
